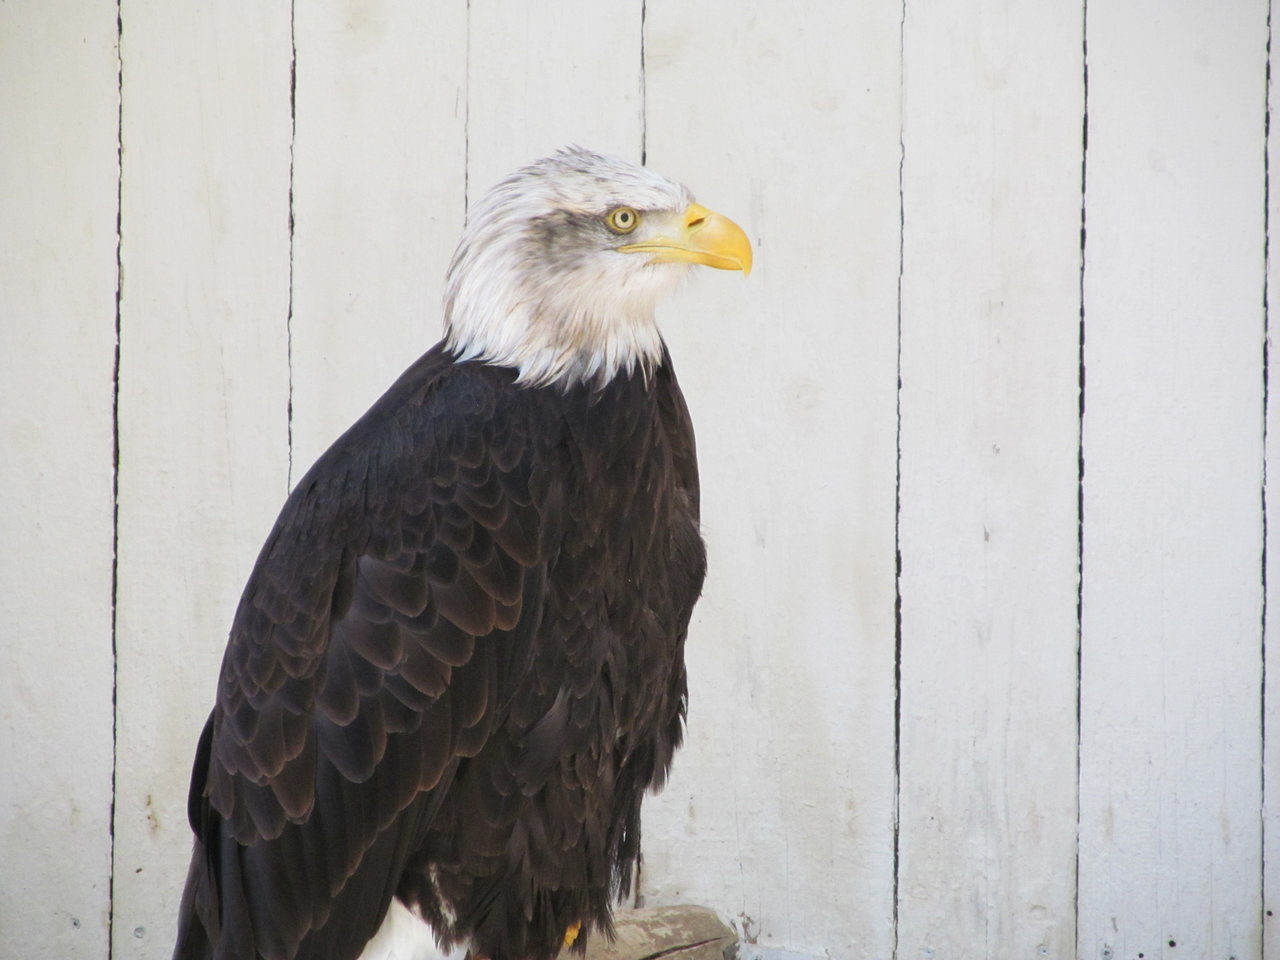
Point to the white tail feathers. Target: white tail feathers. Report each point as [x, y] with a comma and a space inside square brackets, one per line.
[406, 936]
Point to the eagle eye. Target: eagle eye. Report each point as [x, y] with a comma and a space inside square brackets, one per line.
[622, 219]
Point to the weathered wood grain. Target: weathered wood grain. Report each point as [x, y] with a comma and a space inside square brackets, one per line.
[203, 401]
[780, 809]
[547, 73]
[58, 97]
[992, 123]
[379, 163]
[1170, 845]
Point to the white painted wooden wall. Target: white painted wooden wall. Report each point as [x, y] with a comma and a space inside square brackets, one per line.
[986, 664]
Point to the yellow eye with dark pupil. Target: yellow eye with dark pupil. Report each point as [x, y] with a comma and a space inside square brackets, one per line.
[622, 220]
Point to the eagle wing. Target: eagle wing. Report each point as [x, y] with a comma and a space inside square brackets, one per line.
[387, 622]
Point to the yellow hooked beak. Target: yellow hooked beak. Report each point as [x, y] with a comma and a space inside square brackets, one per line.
[702, 236]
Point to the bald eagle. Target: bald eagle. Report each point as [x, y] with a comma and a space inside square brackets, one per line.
[457, 664]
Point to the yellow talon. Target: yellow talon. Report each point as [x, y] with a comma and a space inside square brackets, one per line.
[571, 935]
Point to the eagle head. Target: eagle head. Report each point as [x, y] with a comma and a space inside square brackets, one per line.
[561, 264]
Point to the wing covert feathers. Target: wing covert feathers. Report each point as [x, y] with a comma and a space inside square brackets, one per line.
[454, 670]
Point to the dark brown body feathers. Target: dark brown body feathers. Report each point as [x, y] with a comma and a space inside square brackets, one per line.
[454, 671]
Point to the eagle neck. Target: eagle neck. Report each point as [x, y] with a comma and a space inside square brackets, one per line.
[562, 345]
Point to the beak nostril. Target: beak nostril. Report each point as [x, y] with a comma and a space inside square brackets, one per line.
[697, 216]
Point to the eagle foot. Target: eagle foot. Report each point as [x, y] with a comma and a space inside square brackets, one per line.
[571, 935]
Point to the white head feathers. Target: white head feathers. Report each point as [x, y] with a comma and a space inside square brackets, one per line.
[538, 284]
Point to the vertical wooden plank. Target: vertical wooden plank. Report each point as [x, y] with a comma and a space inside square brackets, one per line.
[1171, 667]
[547, 73]
[1271, 508]
[58, 177]
[779, 813]
[203, 399]
[992, 118]
[379, 168]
